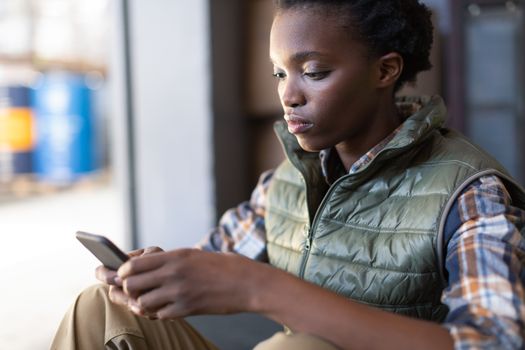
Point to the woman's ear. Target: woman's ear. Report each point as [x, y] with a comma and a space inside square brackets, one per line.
[390, 67]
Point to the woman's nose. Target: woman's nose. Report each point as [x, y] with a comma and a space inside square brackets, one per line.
[291, 94]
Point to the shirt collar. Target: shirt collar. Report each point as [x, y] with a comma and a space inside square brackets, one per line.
[333, 167]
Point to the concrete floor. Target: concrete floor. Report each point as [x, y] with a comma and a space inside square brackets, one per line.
[42, 265]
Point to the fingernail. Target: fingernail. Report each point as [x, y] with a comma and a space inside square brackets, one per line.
[118, 280]
[135, 309]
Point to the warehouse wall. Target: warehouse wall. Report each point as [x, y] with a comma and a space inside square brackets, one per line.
[171, 121]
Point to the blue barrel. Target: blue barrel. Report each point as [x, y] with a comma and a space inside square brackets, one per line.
[65, 130]
[16, 131]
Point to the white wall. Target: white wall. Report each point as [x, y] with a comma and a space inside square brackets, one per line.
[118, 120]
[172, 121]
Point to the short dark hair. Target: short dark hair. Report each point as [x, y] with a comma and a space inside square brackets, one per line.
[402, 26]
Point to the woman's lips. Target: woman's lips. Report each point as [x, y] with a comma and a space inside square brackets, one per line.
[297, 125]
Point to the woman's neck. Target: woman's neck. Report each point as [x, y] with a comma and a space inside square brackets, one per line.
[386, 121]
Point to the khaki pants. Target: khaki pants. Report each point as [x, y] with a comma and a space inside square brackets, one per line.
[94, 322]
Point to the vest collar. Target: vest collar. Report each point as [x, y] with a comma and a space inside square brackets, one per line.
[414, 130]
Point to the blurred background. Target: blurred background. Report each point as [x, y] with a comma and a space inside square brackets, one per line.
[145, 120]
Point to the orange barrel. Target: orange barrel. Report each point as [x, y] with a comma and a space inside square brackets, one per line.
[16, 131]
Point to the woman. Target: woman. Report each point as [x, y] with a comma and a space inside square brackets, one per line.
[382, 229]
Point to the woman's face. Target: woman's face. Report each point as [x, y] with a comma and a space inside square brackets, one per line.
[326, 79]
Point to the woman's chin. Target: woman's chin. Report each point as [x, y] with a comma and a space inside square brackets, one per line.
[309, 146]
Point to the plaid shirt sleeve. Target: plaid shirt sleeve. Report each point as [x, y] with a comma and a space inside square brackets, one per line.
[241, 230]
[485, 264]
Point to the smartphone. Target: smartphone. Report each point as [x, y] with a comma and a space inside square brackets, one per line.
[107, 252]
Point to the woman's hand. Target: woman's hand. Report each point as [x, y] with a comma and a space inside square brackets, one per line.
[189, 281]
[111, 278]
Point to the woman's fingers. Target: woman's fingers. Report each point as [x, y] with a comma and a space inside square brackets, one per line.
[147, 272]
[147, 262]
[135, 285]
[173, 310]
[137, 252]
[144, 251]
[180, 282]
[118, 296]
[155, 299]
[150, 250]
[141, 264]
[105, 275]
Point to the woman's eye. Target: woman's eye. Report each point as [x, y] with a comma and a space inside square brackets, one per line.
[316, 75]
[279, 75]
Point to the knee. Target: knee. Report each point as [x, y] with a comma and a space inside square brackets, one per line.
[92, 297]
[96, 291]
[84, 320]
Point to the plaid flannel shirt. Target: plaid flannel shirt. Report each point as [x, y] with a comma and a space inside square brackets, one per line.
[485, 255]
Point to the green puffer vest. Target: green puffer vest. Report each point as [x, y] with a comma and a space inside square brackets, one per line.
[375, 236]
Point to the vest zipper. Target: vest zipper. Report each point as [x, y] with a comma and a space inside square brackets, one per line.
[308, 235]
[313, 226]
[306, 254]
[310, 229]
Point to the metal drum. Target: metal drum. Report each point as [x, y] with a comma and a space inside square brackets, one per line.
[16, 132]
[65, 147]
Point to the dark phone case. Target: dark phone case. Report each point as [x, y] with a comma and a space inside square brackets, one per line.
[107, 252]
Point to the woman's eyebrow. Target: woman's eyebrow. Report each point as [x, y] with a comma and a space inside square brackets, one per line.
[302, 56]
[305, 55]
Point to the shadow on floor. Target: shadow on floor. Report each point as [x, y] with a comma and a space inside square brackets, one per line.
[235, 332]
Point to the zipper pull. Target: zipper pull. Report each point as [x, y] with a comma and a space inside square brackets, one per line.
[307, 243]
